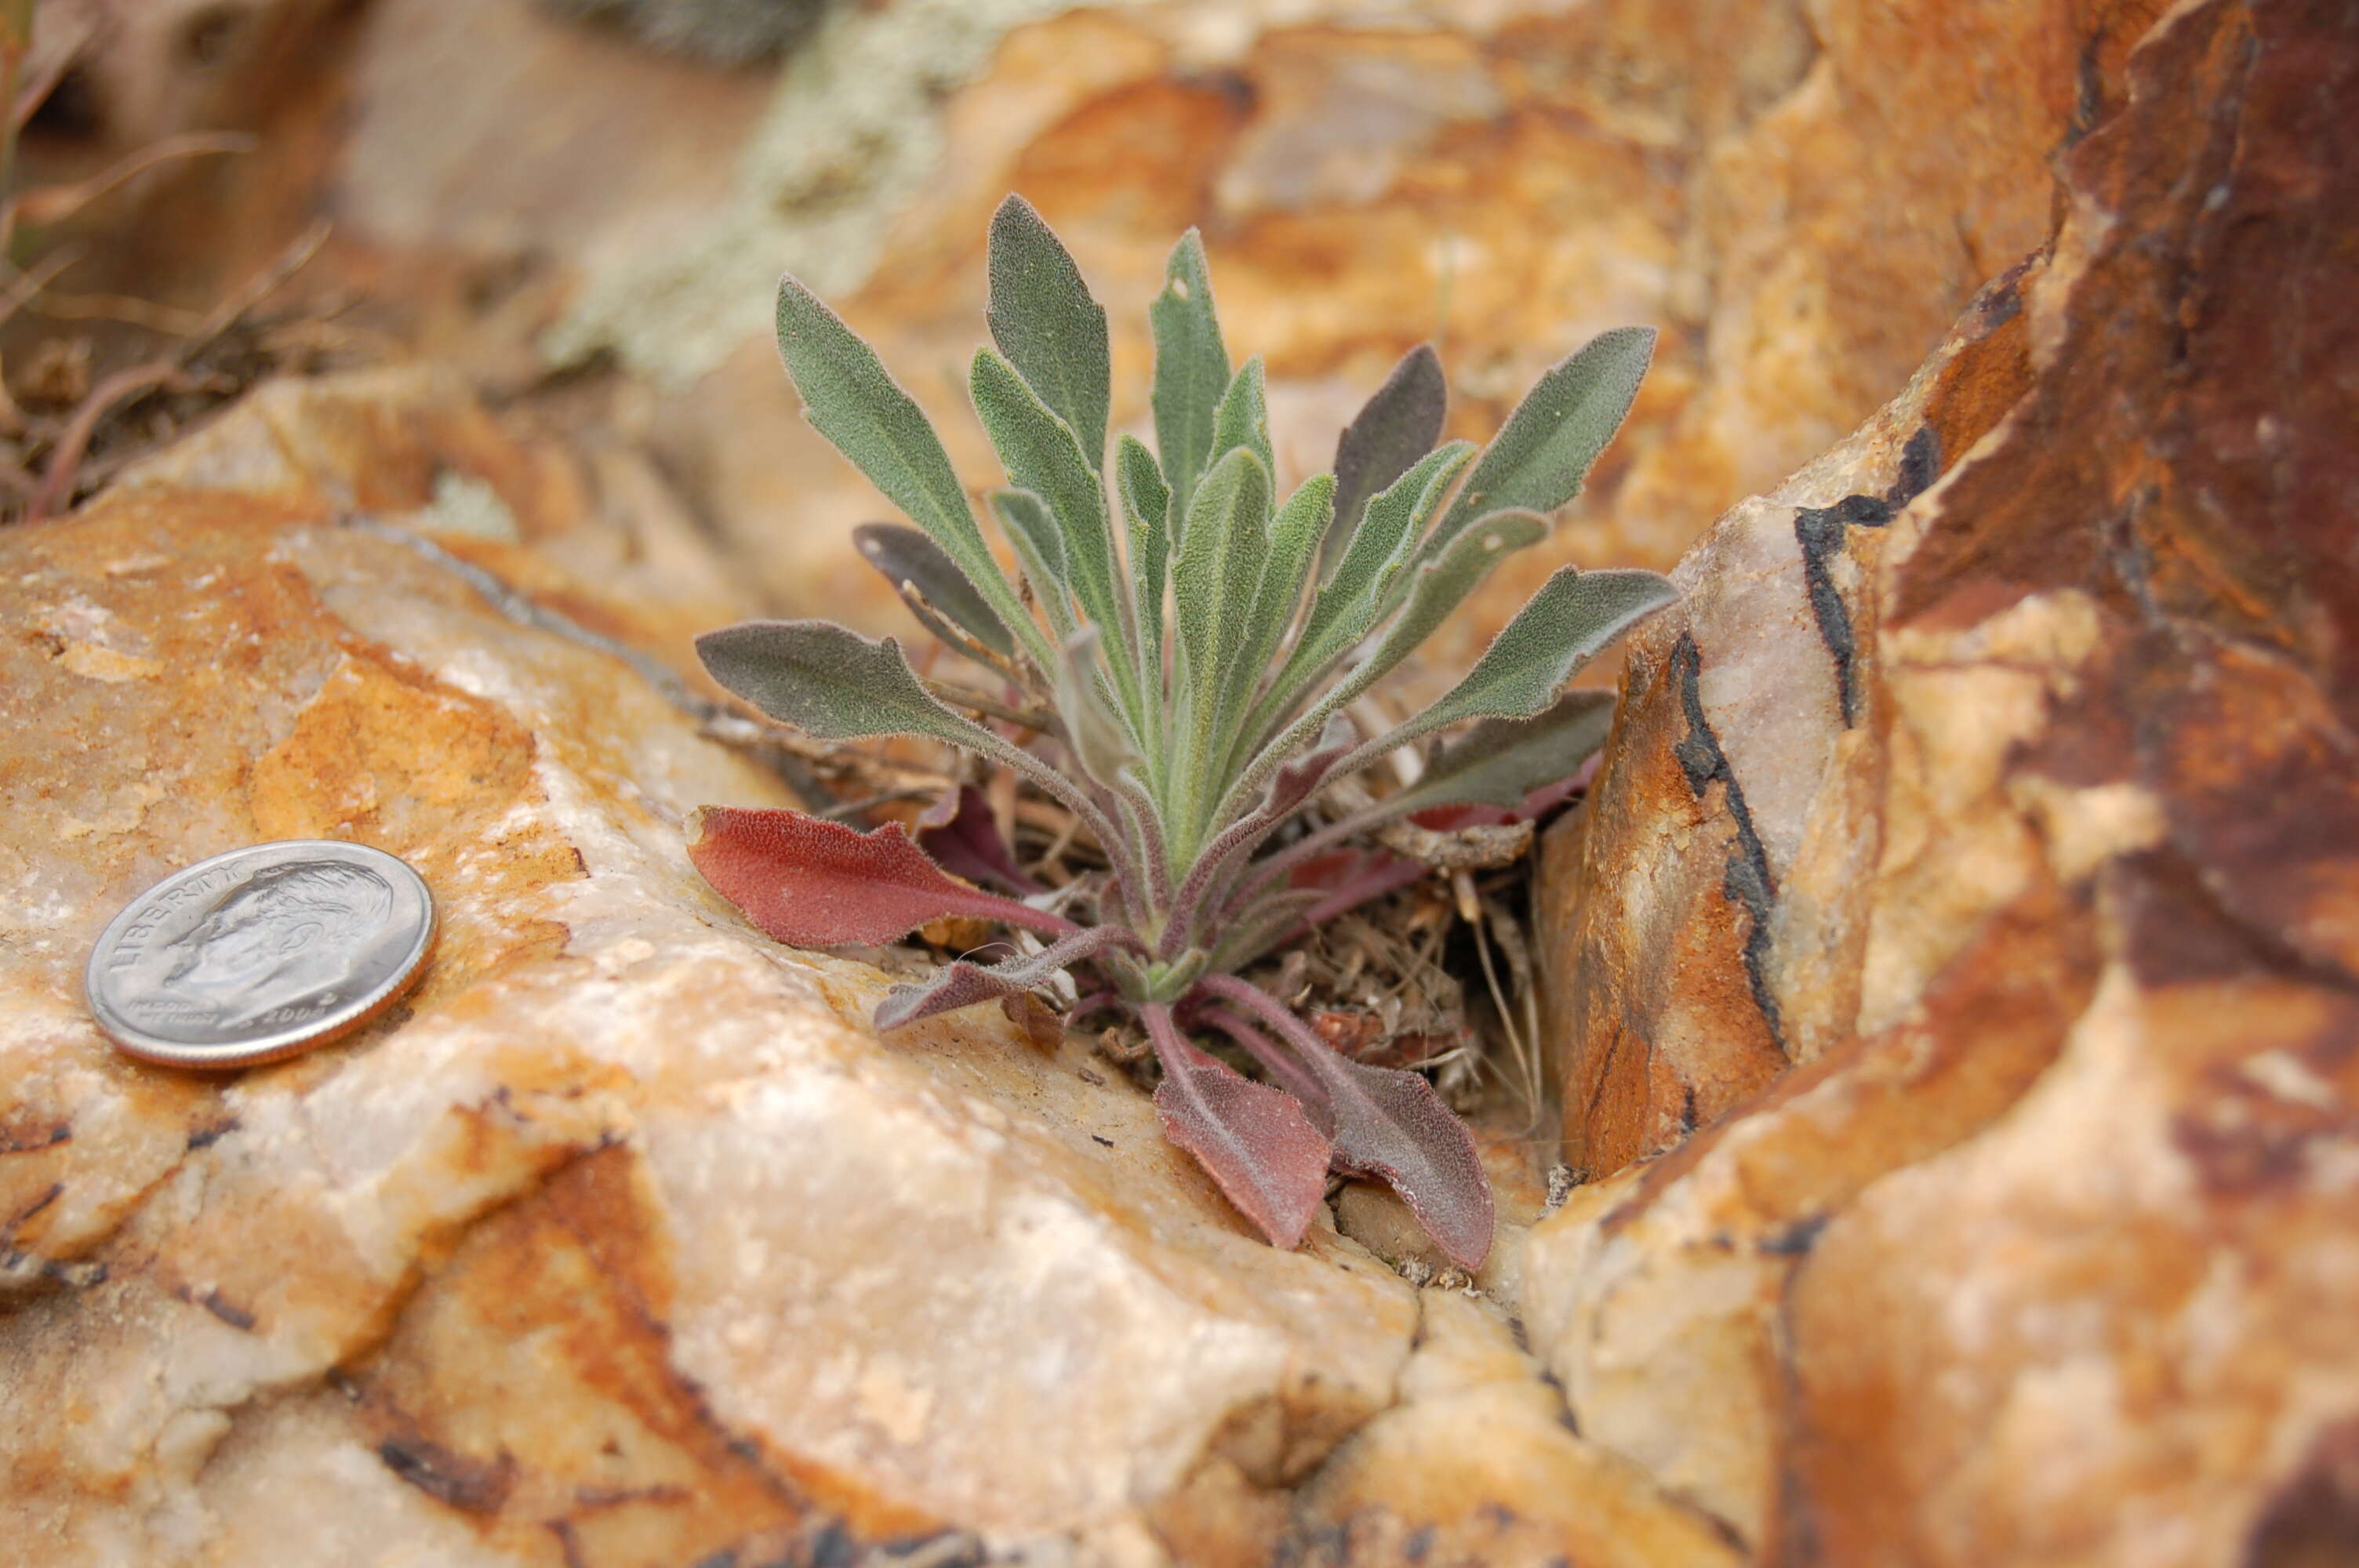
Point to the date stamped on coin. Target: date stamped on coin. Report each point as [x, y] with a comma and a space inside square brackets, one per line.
[260, 953]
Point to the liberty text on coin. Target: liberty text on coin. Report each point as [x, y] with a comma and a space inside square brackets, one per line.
[260, 953]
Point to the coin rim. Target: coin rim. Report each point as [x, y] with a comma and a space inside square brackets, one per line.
[161, 1050]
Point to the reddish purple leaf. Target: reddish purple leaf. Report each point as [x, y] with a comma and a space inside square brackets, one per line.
[1536, 804]
[1450, 819]
[964, 984]
[1346, 879]
[1255, 1140]
[957, 831]
[1390, 1123]
[814, 883]
[1279, 1063]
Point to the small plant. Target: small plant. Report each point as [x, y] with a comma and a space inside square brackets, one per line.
[1191, 647]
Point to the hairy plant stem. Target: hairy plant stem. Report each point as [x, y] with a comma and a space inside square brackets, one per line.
[1140, 814]
[1275, 1059]
[1179, 930]
[1258, 875]
[1172, 1048]
[1318, 1058]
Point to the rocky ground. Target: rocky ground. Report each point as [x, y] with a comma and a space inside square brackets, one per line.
[1950, 974]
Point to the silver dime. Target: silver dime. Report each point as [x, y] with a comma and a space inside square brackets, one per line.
[260, 953]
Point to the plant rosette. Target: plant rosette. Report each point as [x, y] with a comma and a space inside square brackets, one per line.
[1188, 646]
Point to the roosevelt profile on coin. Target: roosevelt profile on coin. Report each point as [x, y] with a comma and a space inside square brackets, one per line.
[257, 953]
[291, 934]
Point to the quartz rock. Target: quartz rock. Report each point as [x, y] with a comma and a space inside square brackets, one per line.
[1693, 909]
[1476, 1465]
[1996, 1125]
[623, 1239]
[589, 528]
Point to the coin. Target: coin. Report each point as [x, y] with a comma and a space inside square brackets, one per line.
[260, 953]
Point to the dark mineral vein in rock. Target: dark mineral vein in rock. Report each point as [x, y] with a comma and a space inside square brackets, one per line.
[1747, 880]
[1819, 531]
[469, 1485]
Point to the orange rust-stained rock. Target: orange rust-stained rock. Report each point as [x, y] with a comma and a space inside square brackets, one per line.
[1660, 1290]
[1693, 911]
[596, 1438]
[2042, 1252]
[623, 1239]
[589, 528]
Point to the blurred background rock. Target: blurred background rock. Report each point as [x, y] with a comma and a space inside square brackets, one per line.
[585, 205]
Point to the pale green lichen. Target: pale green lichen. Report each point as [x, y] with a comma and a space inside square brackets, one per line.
[852, 136]
[729, 32]
[465, 505]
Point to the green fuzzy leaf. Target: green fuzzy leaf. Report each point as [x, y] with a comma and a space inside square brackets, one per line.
[1399, 425]
[1042, 318]
[1294, 537]
[1501, 761]
[1437, 587]
[1192, 370]
[1563, 626]
[910, 560]
[1242, 420]
[850, 399]
[1100, 737]
[1444, 582]
[1024, 517]
[831, 682]
[1222, 549]
[1353, 600]
[1542, 453]
[1042, 456]
[1147, 507]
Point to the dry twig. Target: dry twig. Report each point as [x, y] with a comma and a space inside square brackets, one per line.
[125, 388]
[65, 456]
[55, 203]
